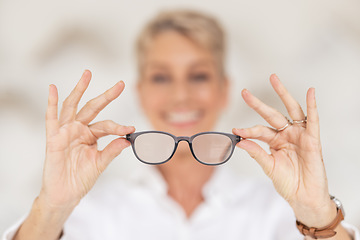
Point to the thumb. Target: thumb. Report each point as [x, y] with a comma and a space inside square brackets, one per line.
[113, 149]
[259, 154]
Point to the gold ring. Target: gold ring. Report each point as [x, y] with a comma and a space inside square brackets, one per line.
[300, 121]
[284, 127]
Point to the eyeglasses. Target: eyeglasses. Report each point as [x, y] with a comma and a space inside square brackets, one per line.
[209, 148]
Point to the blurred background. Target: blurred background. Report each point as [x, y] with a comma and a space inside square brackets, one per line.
[307, 43]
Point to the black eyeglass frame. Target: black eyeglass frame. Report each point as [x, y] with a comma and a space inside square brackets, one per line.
[234, 140]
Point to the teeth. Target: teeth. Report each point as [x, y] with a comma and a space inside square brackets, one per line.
[183, 117]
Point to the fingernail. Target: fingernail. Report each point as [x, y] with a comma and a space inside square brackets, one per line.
[275, 76]
[312, 89]
[51, 86]
[131, 127]
[241, 144]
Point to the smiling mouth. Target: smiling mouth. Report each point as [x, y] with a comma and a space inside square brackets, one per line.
[183, 118]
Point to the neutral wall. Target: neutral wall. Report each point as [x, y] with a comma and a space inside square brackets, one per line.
[307, 43]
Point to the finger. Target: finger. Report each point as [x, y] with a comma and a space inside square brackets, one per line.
[292, 106]
[272, 116]
[108, 127]
[312, 126]
[51, 118]
[258, 132]
[69, 108]
[94, 106]
[112, 150]
[259, 154]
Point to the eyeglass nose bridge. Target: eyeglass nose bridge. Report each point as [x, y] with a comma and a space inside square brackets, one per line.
[183, 138]
[186, 139]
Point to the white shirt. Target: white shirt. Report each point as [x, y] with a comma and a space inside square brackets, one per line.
[139, 208]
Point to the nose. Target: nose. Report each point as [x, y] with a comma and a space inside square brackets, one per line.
[181, 92]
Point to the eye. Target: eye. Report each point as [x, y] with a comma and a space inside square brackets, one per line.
[160, 78]
[199, 77]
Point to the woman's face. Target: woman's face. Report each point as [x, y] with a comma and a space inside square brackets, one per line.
[181, 89]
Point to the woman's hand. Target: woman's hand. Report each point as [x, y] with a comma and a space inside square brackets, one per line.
[73, 162]
[295, 164]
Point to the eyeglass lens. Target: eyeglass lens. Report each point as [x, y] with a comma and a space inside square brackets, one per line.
[155, 148]
[212, 148]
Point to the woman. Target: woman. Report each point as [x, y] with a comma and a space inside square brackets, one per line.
[183, 89]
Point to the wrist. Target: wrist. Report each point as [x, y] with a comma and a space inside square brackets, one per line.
[316, 217]
[55, 203]
[51, 213]
[43, 222]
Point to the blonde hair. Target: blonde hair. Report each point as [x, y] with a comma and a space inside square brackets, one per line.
[201, 28]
